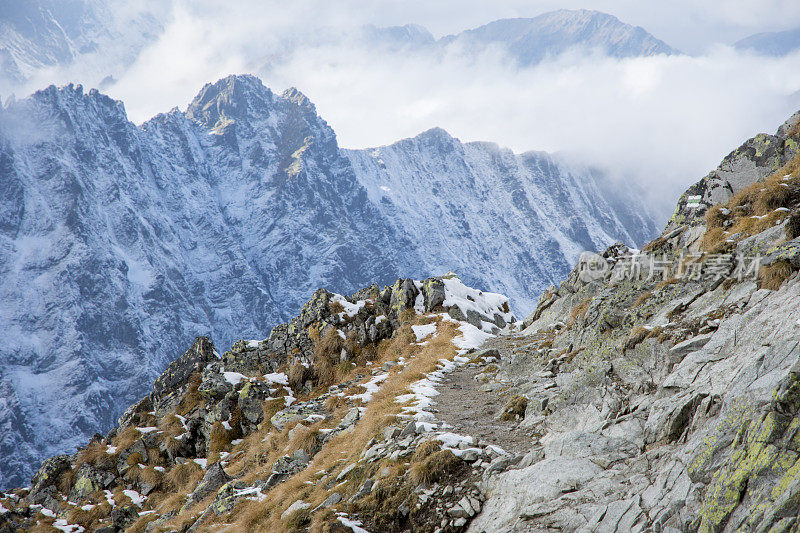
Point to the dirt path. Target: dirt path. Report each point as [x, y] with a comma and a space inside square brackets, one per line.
[473, 408]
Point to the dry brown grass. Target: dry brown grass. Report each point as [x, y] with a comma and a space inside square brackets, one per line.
[335, 307]
[642, 298]
[579, 311]
[298, 375]
[126, 438]
[96, 454]
[714, 241]
[43, 524]
[433, 468]
[192, 399]
[753, 209]
[219, 440]
[152, 476]
[298, 520]
[425, 450]
[654, 245]
[714, 217]
[326, 357]
[638, 334]
[772, 276]
[140, 526]
[515, 408]
[183, 478]
[88, 519]
[170, 426]
[303, 438]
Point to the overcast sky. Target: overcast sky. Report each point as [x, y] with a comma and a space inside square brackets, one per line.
[664, 121]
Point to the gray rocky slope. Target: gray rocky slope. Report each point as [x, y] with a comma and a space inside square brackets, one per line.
[119, 243]
[668, 405]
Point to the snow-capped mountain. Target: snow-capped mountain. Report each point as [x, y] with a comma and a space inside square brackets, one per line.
[777, 43]
[477, 208]
[530, 40]
[121, 243]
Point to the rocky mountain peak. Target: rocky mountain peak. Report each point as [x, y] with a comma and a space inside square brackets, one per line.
[293, 95]
[236, 97]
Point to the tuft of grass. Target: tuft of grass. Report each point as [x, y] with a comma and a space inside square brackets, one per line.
[304, 438]
[126, 438]
[192, 399]
[298, 375]
[714, 217]
[638, 334]
[326, 357]
[654, 245]
[96, 454]
[335, 307]
[184, 477]
[715, 240]
[425, 450]
[298, 520]
[642, 298]
[219, 440]
[579, 311]
[152, 476]
[515, 408]
[433, 468]
[772, 276]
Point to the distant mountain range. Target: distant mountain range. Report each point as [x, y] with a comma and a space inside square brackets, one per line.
[531, 40]
[106, 36]
[120, 243]
[776, 44]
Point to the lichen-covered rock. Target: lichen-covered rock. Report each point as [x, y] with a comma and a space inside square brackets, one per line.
[788, 251]
[404, 295]
[48, 474]
[214, 478]
[179, 371]
[311, 410]
[124, 516]
[251, 402]
[434, 293]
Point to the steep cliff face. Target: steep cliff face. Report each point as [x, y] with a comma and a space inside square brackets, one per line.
[454, 200]
[121, 242]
